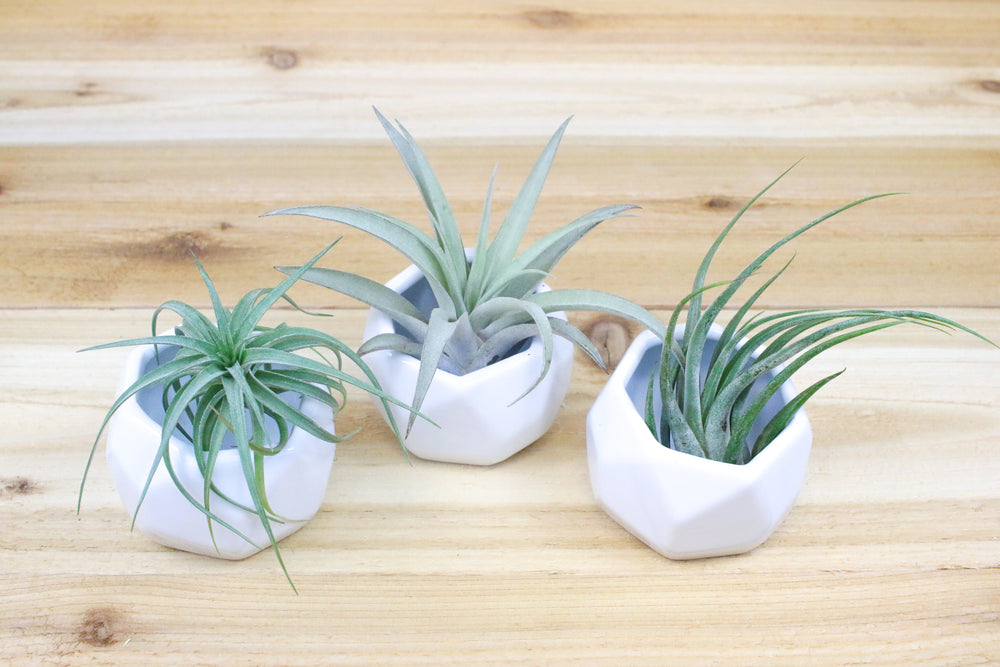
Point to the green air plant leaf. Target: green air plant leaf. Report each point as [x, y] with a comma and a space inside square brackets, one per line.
[487, 287]
[505, 244]
[442, 218]
[711, 408]
[228, 377]
[479, 267]
[422, 250]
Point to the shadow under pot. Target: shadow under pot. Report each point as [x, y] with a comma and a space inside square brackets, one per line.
[479, 419]
[681, 505]
[295, 478]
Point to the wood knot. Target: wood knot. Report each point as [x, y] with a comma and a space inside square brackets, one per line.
[551, 18]
[611, 336]
[718, 202]
[281, 59]
[99, 626]
[18, 486]
[172, 247]
[87, 89]
[990, 85]
[181, 245]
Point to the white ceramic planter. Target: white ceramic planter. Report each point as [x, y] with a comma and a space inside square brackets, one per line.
[680, 505]
[480, 424]
[295, 479]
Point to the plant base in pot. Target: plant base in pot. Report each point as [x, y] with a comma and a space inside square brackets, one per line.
[479, 419]
[296, 478]
[684, 506]
[221, 438]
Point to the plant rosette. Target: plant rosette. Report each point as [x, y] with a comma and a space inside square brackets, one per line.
[296, 478]
[684, 506]
[476, 305]
[479, 418]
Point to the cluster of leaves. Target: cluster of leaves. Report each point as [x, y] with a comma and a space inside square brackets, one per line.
[710, 410]
[227, 377]
[487, 299]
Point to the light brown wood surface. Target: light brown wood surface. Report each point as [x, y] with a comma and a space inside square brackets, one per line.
[132, 133]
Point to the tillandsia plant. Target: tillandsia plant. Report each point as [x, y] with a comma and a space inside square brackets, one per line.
[487, 299]
[224, 380]
[709, 410]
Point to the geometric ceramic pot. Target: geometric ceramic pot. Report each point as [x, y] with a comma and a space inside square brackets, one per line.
[295, 479]
[684, 506]
[480, 422]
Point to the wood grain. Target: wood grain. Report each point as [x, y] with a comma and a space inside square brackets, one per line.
[138, 212]
[241, 70]
[134, 133]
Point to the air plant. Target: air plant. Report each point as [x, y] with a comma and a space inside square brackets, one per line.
[222, 381]
[710, 410]
[487, 299]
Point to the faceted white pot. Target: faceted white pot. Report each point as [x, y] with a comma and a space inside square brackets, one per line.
[480, 424]
[295, 479]
[684, 506]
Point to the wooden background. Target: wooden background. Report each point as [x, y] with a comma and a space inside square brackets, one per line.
[132, 133]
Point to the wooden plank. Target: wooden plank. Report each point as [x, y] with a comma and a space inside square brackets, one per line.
[44, 102]
[935, 29]
[113, 226]
[217, 101]
[237, 70]
[889, 554]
